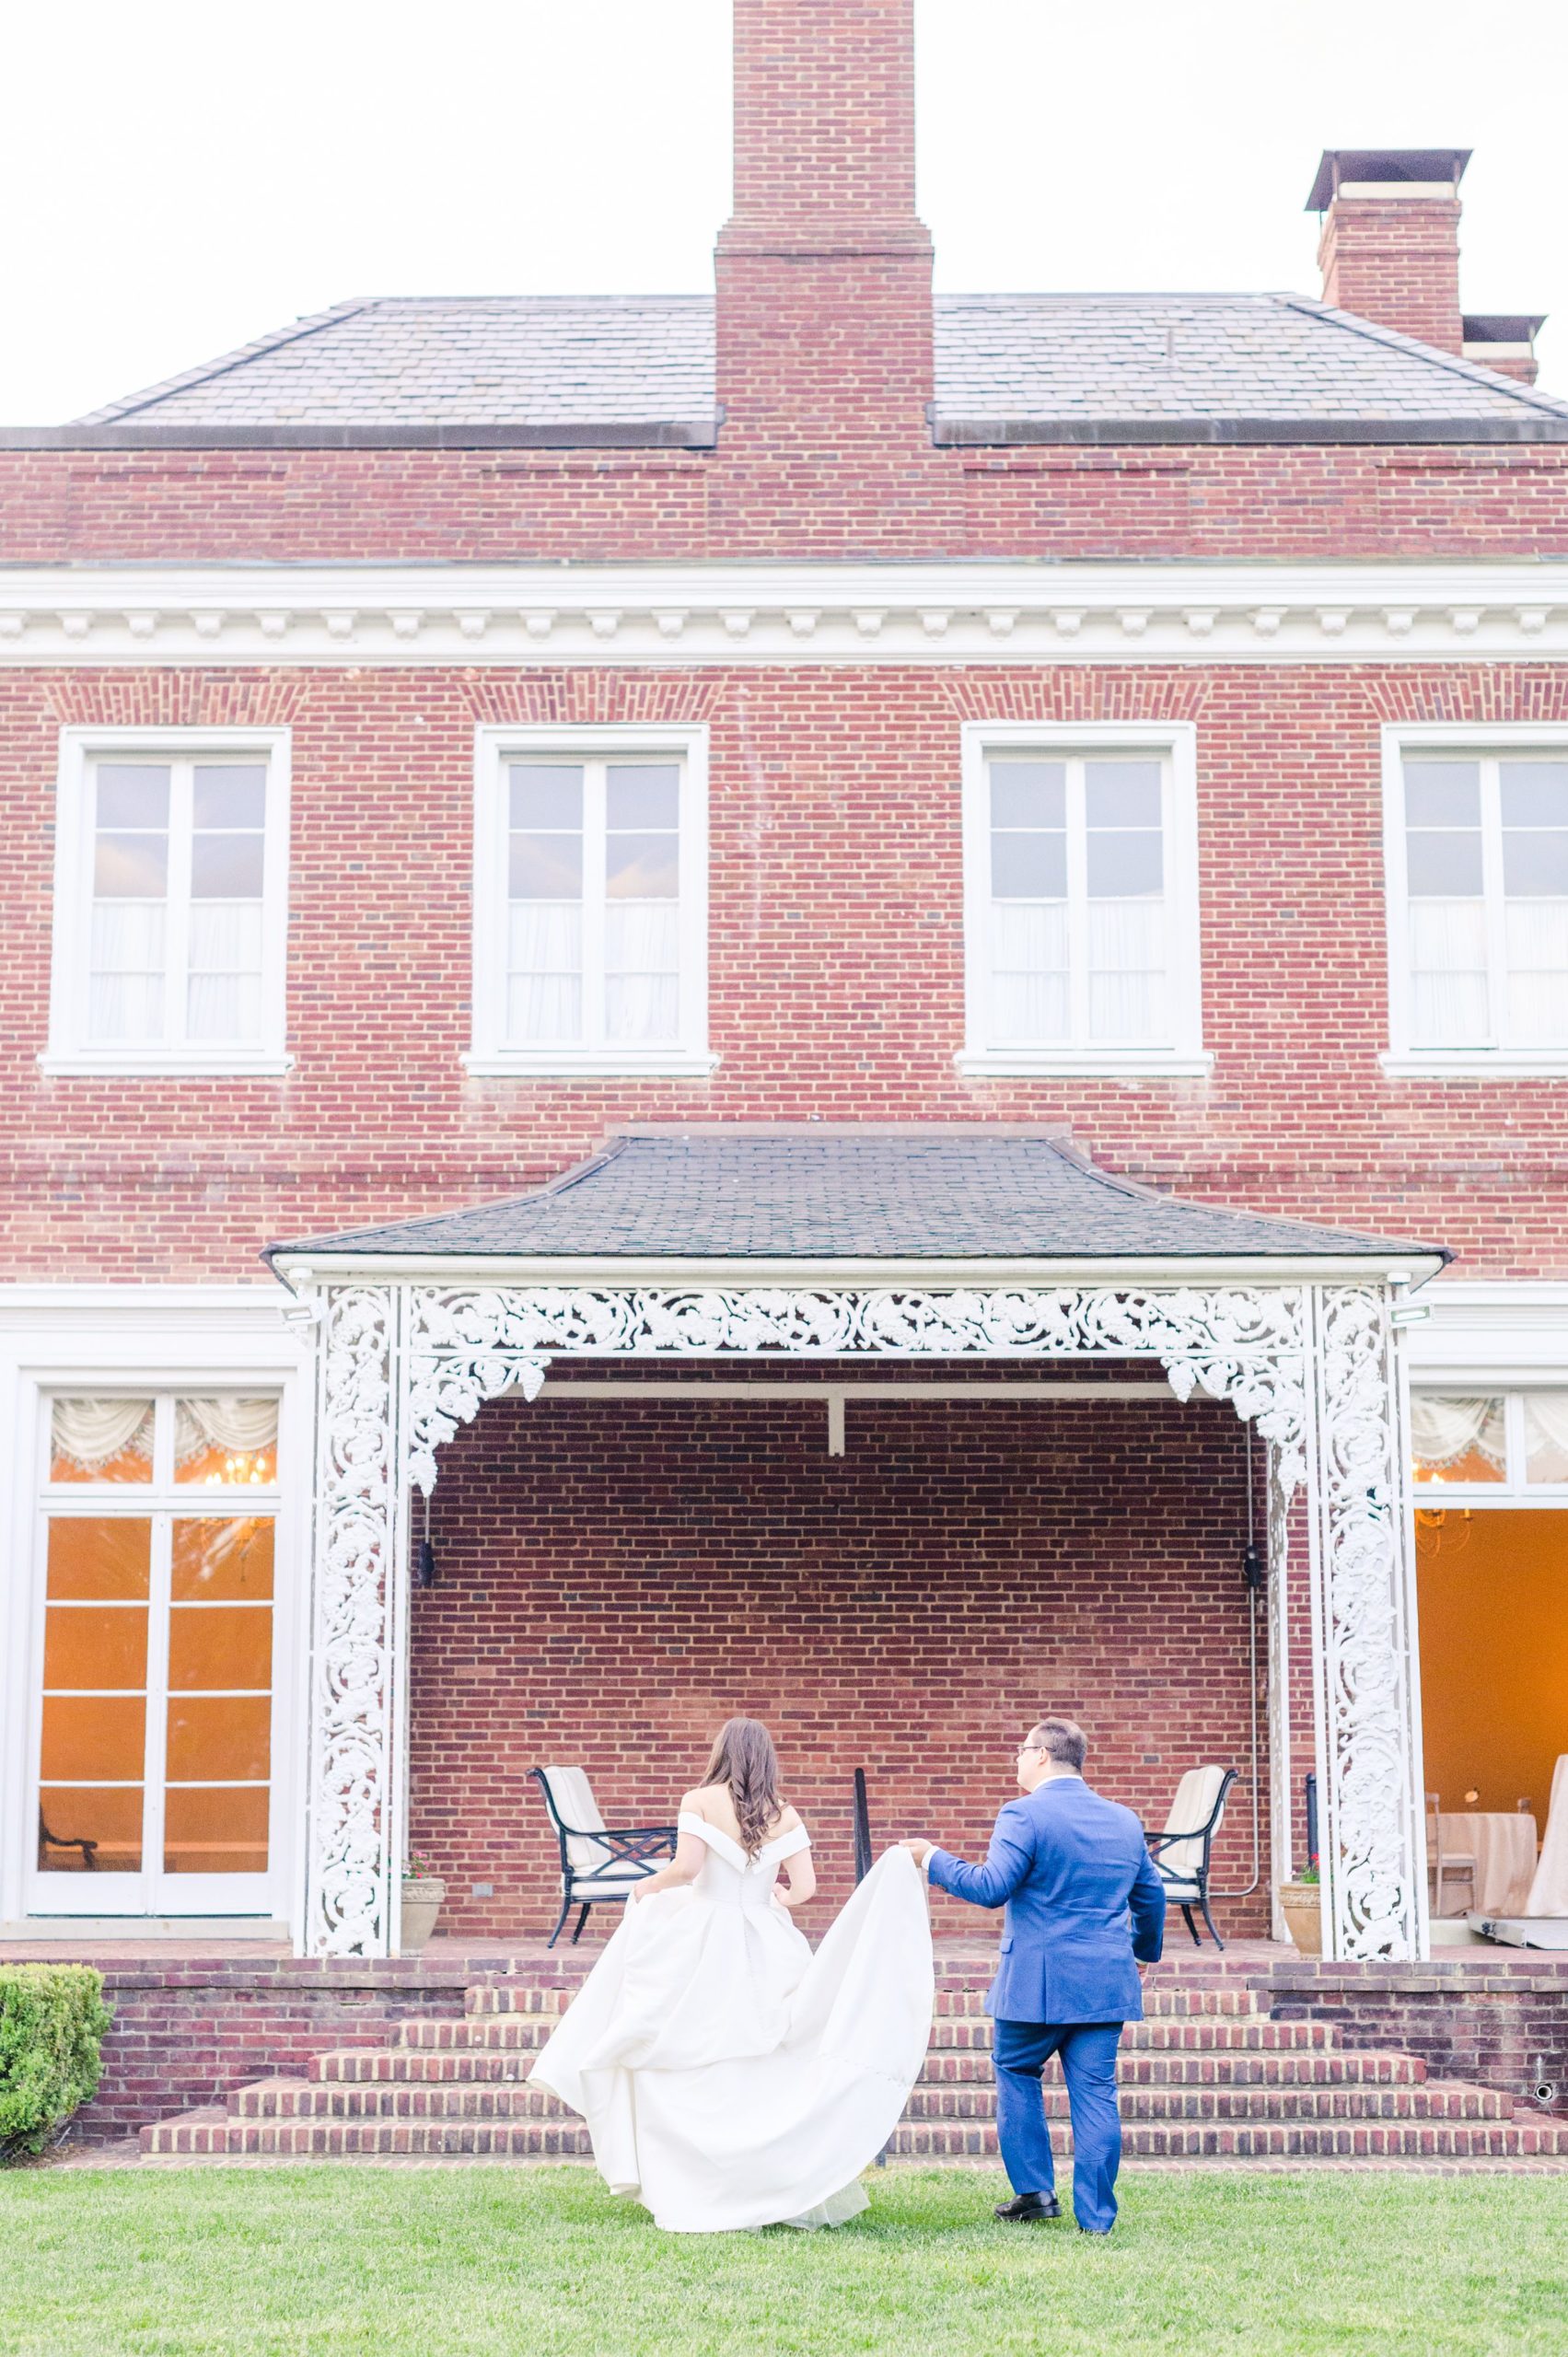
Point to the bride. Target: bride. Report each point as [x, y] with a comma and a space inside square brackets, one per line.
[730, 2077]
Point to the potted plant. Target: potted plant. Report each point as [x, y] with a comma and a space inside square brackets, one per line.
[1301, 1904]
[423, 1890]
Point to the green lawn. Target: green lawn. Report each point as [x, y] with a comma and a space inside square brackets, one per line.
[483, 2260]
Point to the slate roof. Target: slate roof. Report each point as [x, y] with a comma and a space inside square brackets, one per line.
[641, 367]
[786, 1194]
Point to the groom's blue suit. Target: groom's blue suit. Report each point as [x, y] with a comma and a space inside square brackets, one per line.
[1083, 1901]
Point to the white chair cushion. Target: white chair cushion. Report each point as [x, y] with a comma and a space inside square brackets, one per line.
[1193, 1804]
[573, 1798]
[1182, 1894]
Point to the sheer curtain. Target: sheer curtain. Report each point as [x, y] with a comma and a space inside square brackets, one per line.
[544, 981]
[1545, 1435]
[125, 993]
[1448, 991]
[224, 985]
[92, 1433]
[1536, 933]
[1445, 1428]
[1029, 970]
[1126, 967]
[245, 1425]
[642, 969]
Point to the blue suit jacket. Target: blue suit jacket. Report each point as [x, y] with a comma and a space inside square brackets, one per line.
[1083, 1901]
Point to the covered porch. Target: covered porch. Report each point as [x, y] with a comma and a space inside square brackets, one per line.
[890, 1436]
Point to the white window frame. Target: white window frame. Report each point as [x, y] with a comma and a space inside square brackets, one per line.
[1513, 1489]
[91, 1340]
[70, 1049]
[494, 747]
[1434, 739]
[1175, 744]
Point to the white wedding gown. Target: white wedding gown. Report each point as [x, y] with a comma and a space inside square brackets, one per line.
[731, 2078]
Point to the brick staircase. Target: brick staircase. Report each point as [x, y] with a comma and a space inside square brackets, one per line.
[1207, 2077]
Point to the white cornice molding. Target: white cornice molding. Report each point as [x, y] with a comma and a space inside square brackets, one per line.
[668, 616]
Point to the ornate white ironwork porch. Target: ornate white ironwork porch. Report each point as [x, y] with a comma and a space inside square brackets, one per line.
[404, 1359]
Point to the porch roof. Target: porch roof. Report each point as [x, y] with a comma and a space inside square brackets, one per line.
[855, 1193]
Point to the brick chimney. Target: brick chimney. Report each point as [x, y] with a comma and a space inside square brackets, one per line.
[1389, 250]
[823, 270]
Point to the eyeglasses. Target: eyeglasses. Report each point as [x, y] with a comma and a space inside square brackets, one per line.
[1027, 1750]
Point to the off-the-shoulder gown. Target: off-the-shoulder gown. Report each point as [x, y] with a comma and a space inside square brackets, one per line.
[729, 2076]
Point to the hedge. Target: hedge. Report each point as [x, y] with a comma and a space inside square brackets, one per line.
[51, 2019]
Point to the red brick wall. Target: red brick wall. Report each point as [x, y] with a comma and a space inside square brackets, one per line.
[836, 959]
[1396, 260]
[1495, 2017]
[615, 1578]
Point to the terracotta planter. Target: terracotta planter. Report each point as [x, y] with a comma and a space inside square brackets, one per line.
[1301, 1903]
[423, 1895]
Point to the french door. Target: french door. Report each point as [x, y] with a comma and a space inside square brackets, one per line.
[154, 1660]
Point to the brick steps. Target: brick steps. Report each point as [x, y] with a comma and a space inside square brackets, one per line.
[1206, 2076]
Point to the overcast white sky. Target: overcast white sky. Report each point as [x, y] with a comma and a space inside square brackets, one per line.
[180, 176]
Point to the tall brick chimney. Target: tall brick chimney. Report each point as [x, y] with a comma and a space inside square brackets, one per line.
[1389, 250]
[823, 270]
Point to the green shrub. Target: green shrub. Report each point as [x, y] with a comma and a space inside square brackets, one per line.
[51, 2019]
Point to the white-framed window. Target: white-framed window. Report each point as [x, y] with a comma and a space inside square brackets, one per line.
[1492, 1445]
[1476, 853]
[170, 902]
[590, 902]
[1081, 899]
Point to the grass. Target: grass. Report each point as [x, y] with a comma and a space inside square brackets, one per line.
[482, 2261]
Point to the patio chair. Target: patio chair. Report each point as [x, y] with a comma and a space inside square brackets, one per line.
[1181, 1853]
[599, 1863]
[47, 1842]
[1446, 1865]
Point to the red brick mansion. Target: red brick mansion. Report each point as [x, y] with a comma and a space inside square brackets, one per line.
[879, 971]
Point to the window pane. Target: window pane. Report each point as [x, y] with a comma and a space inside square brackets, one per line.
[100, 1440]
[1122, 865]
[93, 1738]
[544, 991]
[546, 867]
[1534, 864]
[126, 984]
[642, 795]
[225, 1442]
[225, 867]
[1536, 947]
[1028, 794]
[544, 1009]
[213, 1648]
[108, 1821]
[93, 1647]
[1447, 865]
[1028, 867]
[233, 796]
[1442, 794]
[132, 794]
[227, 1561]
[1126, 970]
[1450, 1000]
[218, 1738]
[1457, 1437]
[215, 1831]
[1122, 793]
[1545, 1435]
[1534, 794]
[94, 1558]
[131, 867]
[545, 794]
[642, 867]
[1029, 983]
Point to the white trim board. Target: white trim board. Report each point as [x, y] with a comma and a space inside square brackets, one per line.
[668, 616]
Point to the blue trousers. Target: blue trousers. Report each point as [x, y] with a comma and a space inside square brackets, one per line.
[1020, 2051]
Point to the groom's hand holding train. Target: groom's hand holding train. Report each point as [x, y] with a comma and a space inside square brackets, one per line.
[1084, 1907]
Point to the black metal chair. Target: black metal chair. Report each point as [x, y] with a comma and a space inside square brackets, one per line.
[1198, 1808]
[47, 1842]
[600, 1863]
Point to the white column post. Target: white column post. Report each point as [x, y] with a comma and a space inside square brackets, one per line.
[1365, 1682]
[1282, 1800]
[358, 1624]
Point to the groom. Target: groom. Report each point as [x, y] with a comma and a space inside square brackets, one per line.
[1083, 1901]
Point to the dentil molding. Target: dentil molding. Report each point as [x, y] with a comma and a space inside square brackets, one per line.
[1001, 614]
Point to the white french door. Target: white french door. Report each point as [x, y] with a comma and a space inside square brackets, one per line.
[154, 1660]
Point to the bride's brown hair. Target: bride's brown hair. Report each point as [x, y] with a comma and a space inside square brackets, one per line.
[744, 1758]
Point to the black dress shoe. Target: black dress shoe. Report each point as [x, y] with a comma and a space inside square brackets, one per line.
[1027, 2206]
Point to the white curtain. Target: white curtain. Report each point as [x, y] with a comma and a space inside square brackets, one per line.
[642, 969]
[1545, 1435]
[223, 992]
[1029, 972]
[92, 1433]
[1445, 1428]
[243, 1425]
[1126, 968]
[125, 998]
[1449, 1004]
[1536, 933]
[544, 983]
